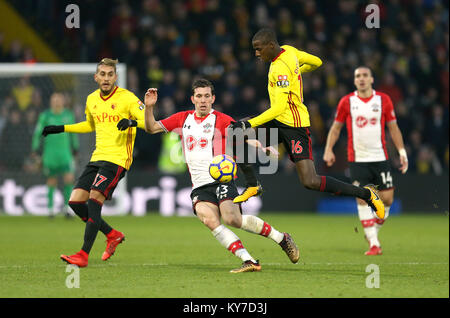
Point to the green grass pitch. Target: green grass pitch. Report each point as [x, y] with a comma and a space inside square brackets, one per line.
[179, 258]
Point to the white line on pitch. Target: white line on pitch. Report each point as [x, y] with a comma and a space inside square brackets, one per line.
[218, 264]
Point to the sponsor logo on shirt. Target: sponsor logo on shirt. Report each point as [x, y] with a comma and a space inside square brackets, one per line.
[105, 117]
[282, 81]
[191, 142]
[362, 121]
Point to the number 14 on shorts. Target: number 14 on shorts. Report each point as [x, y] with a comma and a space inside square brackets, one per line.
[387, 179]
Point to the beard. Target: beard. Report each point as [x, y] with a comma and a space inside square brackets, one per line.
[107, 92]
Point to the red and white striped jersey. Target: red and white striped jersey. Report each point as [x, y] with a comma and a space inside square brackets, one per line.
[201, 139]
[366, 120]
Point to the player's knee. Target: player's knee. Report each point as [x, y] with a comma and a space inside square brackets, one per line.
[232, 219]
[79, 195]
[211, 223]
[97, 195]
[311, 183]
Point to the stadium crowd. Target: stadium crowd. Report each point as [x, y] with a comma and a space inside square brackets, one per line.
[166, 44]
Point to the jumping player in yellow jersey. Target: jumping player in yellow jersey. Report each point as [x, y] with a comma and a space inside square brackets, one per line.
[113, 113]
[290, 116]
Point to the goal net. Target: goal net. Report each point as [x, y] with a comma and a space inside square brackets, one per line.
[25, 91]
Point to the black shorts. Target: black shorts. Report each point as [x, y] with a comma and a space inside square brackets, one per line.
[214, 193]
[377, 173]
[296, 140]
[102, 176]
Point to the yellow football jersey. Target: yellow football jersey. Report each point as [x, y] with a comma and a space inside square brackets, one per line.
[285, 88]
[102, 115]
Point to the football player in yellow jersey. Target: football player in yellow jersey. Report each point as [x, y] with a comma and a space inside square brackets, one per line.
[113, 113]
[290, 116]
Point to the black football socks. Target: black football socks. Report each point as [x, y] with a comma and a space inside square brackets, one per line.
[332, 185]
[81, 209]
[93, 224]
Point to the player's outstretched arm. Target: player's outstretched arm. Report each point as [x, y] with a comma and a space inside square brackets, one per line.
[151, 125]
[79, 128]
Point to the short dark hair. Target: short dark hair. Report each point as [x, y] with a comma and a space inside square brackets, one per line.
[202, 82]
[265, 35]
[366, 67]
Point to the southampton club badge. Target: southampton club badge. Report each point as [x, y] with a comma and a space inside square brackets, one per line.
[376, 108]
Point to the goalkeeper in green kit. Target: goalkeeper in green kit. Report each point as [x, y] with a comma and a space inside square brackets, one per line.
[57, 150]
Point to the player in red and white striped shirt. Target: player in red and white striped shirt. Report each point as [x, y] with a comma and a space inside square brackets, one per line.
[366, 113]
[203, 136]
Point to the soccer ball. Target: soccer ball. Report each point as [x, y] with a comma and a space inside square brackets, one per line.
[222, 168]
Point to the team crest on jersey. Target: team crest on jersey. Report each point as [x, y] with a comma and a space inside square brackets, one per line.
[141, 105]
[207, 128]
[282, 81]
[375, 108]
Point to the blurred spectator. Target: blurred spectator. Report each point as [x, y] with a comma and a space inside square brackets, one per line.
[154, 72]
[437, 131]
[23, 93]
[15, 142]
[388, 86]
[427, 162]
[218, 37]
[193, 52]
